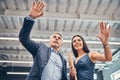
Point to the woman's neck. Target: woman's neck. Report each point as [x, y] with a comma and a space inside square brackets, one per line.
[81, 52]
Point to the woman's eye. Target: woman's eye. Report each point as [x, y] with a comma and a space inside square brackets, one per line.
[74, 41]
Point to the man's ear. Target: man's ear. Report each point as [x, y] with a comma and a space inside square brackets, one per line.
[49, 40]
[62, 43]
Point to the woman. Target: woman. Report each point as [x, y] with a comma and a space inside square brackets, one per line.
[85, 59]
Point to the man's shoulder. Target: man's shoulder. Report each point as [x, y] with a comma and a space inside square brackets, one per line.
[43, 46]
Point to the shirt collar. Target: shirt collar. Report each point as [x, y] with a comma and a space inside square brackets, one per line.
[53, 50]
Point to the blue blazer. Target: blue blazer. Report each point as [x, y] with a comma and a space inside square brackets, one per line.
[40, 52]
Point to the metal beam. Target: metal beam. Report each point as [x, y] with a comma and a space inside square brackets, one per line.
[116, 51]
[73, 16]
[97, 66]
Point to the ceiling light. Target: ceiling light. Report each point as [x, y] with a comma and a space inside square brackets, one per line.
[18, 73]
[66, 41]
[5, 61]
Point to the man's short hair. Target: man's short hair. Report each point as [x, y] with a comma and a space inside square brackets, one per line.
[59, 33]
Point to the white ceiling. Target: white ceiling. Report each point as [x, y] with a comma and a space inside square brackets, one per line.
[69, 17]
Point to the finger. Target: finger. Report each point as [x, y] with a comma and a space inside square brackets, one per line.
[71, 67]
[109, 27]
[98, 36]
[41, 14]
[101, 26]
[109, 30]
[33, 4]
[104, 26]
[38, 3]
[41, 7]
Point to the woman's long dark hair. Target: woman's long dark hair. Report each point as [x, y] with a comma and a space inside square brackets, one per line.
[85, 48]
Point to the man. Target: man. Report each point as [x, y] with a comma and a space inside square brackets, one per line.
[48, 62]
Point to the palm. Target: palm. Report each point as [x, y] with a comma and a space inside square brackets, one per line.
[37, 9]
[104, 32]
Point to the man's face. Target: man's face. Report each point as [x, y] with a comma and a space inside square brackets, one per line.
[56, 41]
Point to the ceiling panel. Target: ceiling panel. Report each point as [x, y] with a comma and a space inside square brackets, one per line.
[67, 16]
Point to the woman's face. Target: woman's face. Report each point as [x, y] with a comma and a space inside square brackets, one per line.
[77, 43]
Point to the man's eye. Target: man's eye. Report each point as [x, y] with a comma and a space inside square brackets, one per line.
[54, 36]
[59, 38]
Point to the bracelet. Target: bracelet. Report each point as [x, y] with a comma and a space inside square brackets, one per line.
[106, 46]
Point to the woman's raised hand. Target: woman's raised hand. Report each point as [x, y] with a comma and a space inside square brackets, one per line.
[104, 33]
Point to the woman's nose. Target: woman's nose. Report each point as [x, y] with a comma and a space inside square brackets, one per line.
[77, 42]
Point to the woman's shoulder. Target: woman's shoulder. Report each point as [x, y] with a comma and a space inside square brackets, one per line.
[92, 55]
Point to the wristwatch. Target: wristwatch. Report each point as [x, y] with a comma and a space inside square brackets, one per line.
[106, 46]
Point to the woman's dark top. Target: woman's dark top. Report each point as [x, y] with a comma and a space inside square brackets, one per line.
[85, 68]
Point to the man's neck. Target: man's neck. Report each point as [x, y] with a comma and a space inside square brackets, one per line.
[56, 49]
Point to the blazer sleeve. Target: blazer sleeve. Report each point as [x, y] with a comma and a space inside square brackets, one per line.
[24, 37]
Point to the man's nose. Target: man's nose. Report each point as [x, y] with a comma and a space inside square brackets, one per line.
[56, 38]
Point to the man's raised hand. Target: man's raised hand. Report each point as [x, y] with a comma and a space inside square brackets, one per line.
[37, 9]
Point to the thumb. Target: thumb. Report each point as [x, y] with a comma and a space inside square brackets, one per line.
[41, 13]
[98, 36]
